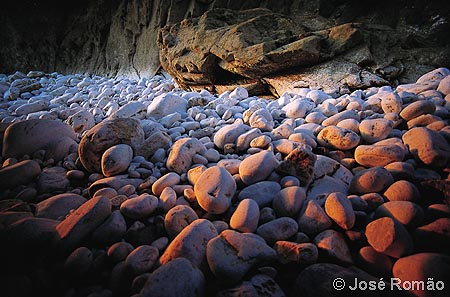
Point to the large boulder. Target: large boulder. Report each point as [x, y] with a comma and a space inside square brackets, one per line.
[105, 135]
[26, 137]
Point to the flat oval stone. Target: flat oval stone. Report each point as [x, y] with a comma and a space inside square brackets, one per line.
[333, 244]
[168, 180]
[118, 251]
[191, 243]
[243, 141]
[428, 146]
[166, 103]
[312, 218]
[402, 190]
[338, 138]
[85, 219]
[59, 206]
[378, 155]
[139, 207]
[190, 280]
[141, 259]
[417, 108]
[231, 165]
[229, 134]
[339, 208]
[21, 173]
[289, 201]
[181, 154]
[232, 254]
[395, 240]
[343, 115]
[116, 159]
[407, 213]
[257, 167]
[298, 108]
[214, 190]
[278, 229]
[371, 180]
[375, 130]
[350, 124]
[246, 216]
[178, 218]
[26, 137]
[262, 192]
[115, 182]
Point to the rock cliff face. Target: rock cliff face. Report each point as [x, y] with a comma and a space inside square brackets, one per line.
[402, 39]
[109, 37]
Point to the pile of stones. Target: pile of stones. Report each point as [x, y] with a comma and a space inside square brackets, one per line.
[121, 187]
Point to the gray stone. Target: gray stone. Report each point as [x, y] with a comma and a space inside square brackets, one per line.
[178, 218]
[111, 230]
[395, 242]
[338, 138]
[232, 254]
[375, 179]
[214, 189]
[339, 208]
[105, 135]
[417, 108]
[375, 130]
[289, 201]
[21, 173]
[312, 218]
[181, 154]
[59, 206]
[190, 280]
[298, 253]
[82, 222]
[79, 262]
[165, 104]
[26, 137]
[333, 244]
[53, 179]
[407, 213]
[191, 243]
[139, 207]
[262, 192]
[246, 216]
[278, 229]
[427, 146]
[257, 167]
[116, 159]
[141, 259]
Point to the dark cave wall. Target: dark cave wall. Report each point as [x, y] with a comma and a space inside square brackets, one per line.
[118, 37]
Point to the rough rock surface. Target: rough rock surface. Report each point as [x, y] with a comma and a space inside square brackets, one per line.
[122, 38]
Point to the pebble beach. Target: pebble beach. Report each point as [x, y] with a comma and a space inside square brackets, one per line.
[123, 187]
